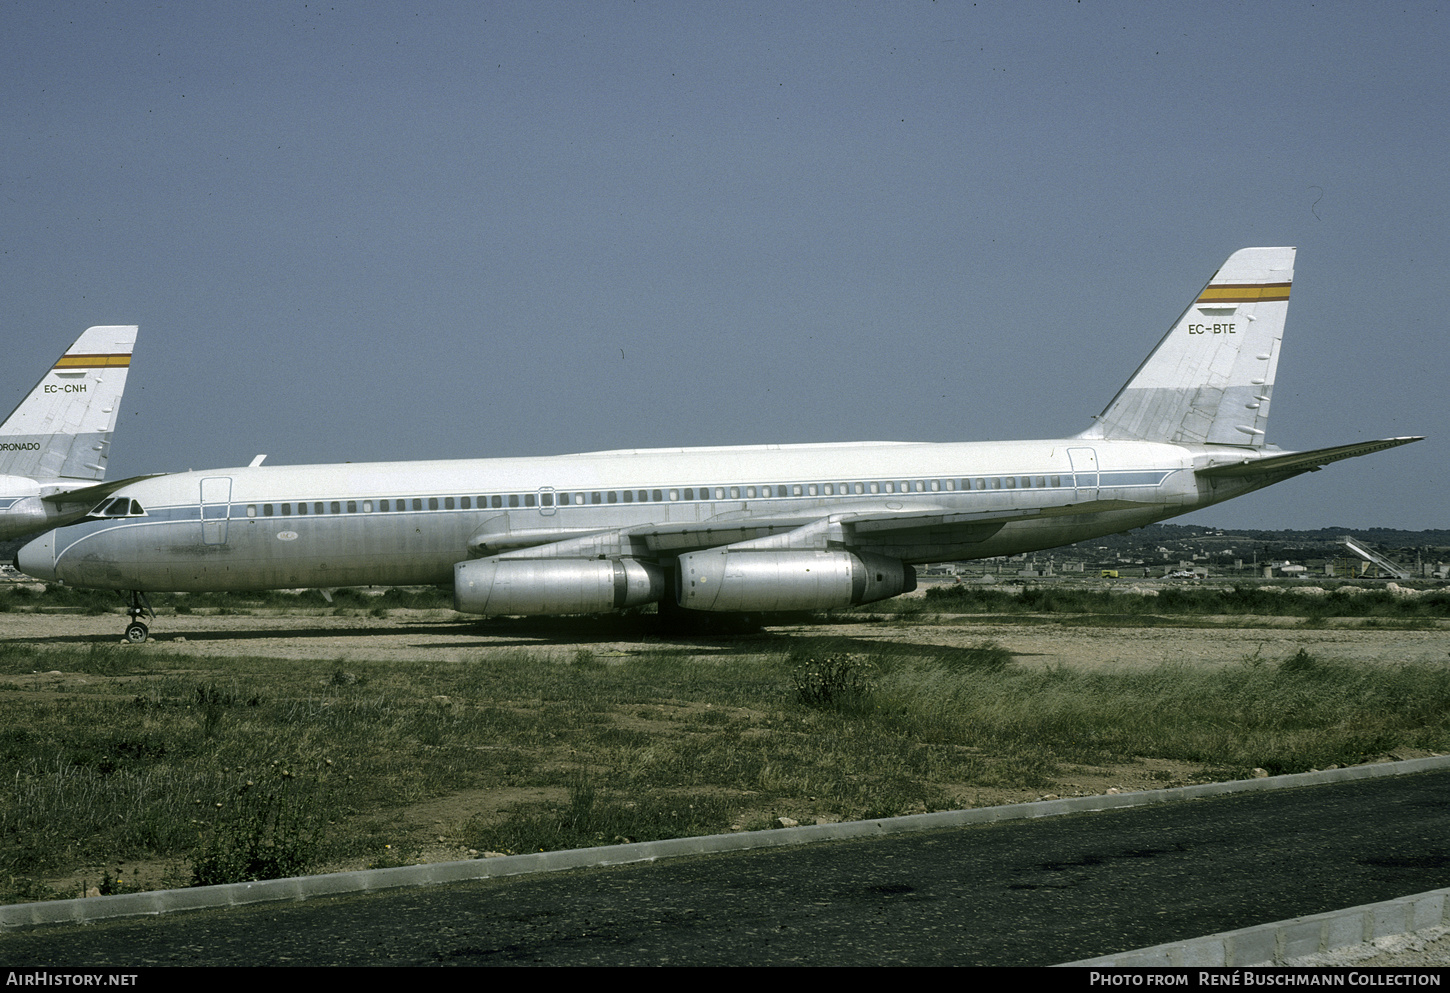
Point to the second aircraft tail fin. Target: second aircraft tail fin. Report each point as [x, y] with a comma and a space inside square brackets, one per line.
[62, 429]
[1211, 377]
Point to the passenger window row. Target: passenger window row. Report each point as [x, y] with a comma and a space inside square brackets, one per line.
[400, 504]
[690, 494]
[686, 494]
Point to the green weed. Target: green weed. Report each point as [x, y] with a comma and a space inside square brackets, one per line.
[834, 681]
[268, 828]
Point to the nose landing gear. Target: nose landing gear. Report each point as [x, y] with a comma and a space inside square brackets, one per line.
[137, 632]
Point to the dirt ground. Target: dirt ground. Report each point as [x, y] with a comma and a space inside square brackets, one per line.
[442, 635]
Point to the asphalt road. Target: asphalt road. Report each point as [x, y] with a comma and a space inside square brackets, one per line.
[1011, 894]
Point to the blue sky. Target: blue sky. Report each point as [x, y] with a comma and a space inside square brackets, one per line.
[375, 231]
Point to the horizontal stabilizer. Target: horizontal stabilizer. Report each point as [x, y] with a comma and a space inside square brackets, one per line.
[1304, 461]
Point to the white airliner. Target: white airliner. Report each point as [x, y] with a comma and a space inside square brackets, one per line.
[756, 528]
[54, 445]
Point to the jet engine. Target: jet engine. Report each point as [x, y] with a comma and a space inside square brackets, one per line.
[720, 579]
[23, 516]
[553, 586]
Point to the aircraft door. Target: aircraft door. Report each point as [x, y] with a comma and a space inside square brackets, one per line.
[216, 497]
[1084, 472]
[546, 501]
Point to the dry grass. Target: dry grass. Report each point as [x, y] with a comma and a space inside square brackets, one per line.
[138, 759]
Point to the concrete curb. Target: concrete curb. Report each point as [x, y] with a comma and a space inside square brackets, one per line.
[372, 880]
[1275, 944]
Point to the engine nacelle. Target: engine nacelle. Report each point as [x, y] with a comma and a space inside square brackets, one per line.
[553, 586]
[719, 579]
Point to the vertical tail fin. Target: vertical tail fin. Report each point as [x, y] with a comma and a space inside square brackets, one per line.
[62, 429]
[1210, 379]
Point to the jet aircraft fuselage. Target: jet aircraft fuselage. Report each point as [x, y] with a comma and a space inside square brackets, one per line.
[405, 522]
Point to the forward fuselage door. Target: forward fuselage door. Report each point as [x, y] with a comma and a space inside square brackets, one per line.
[546, 501]
[1084, 472]
[216, 498]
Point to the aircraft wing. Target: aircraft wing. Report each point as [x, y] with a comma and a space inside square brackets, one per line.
[92, 494]
[866, 528]
[1304, 461]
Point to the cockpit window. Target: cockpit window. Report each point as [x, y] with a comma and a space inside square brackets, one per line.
[118, 507]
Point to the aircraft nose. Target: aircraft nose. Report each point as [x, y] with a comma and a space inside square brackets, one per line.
[37, 558]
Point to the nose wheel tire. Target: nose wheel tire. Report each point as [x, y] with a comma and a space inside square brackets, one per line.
[137, 632]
